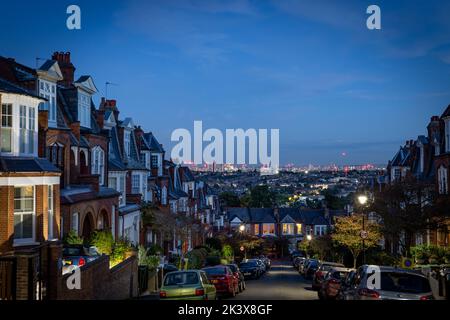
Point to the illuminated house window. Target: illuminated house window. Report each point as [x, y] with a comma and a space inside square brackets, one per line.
[299, 228]
[288, 228]
[268, 228]
[256, 229]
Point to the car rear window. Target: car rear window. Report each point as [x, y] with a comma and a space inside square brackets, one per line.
[248, 264]
[339, 275]
[72, 252]
[183, 278]
[218, 270]
[232, 267]
[403, 282]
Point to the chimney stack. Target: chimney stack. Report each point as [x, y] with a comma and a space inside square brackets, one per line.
[66, 66]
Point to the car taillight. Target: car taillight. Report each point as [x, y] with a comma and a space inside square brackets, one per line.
[199, 292]
[162, 294]
[430, 297]
[81, 262]
[368, 293]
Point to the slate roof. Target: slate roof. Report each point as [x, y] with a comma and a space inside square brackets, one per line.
[446, 112]
[115, 158]
[401, 157]
[8, 87]
[79, 193]
[24, 164]
[153, 143]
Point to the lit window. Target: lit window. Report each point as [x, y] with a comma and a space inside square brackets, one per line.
[268, 228]
[256, 229]
[50, 212]
[288, 228]
[24, 213]
[299, 228]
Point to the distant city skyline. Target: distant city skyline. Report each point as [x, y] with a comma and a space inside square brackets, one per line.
[338, 92]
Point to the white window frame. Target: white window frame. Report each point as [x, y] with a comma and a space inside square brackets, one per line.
[320, 230]
[21, 241]
[75, 222]
[50, 211]
[135, 183]
[290, 227]
[84, 109]
[443, 180]
[98, 163]
[7, 124]
[127, 142]
[49, 94]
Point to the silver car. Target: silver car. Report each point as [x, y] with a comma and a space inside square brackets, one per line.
[393, 284]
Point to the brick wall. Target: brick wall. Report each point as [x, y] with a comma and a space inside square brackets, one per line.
[98, 282]
[6, 218]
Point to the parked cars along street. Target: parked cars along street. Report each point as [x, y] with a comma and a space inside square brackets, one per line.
[395, 284]
[223, 279]
[187, 285]
[250, 269]
[323, 269]
[238, 274]
[331, 283]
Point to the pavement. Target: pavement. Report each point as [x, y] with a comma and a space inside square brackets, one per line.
[281, 282]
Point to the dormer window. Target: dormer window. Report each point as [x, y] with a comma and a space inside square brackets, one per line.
[127, 143]
[47, 90]
[84, 108]
[98, 163]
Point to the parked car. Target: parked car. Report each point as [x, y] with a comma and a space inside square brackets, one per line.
[323, 269]
[250, 269]
[297, 262]
[238, 274]
[331, 285]
[346, 284]
[187, 285]
[302, 265]
[223, 279]
[297, 253]
[266, 261]
[75, 256]
[395, 284]
[262, 266]
[311, 268]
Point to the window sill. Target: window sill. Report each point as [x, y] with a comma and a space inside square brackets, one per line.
[25, 243]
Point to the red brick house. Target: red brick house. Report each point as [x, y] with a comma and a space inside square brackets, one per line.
[71, 138]
[29, 200]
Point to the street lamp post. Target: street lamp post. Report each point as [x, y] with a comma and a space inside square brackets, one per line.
[241, 232]
[362, 199]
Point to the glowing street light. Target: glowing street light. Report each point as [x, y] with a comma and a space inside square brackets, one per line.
[241, 228]
[309, 237]
[362, 199]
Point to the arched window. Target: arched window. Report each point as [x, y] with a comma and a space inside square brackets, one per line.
[55, 154]
[98, 163]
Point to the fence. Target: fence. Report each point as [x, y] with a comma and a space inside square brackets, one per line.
[8, 278]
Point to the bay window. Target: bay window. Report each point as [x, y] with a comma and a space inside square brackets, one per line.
[50, 212]
[31, 129]
[6, 122]
[320, 230]
[127, 143]
[288, 228]
[24, 212]
[23, 129]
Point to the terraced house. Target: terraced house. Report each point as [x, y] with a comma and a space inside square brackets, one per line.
[427, 160]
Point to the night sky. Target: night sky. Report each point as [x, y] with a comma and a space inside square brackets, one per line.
[338, 92]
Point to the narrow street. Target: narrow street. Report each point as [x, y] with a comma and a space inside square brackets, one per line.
[282, 282]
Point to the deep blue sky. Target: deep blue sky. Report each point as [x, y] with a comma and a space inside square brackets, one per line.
[310, 68]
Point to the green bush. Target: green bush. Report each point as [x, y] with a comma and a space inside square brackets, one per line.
[72, 238]
[103, 241]
[119, 251]
[155, 249]
[227, 252]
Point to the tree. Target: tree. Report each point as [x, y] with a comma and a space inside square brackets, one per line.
[229, 199]
[347, 233]
[322, 246]
[406, 208]
[261, 197]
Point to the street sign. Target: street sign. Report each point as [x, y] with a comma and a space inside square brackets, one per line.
[364, 234]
